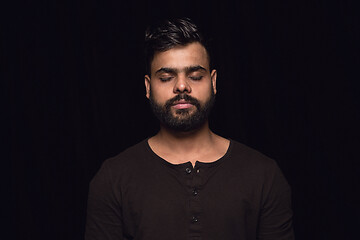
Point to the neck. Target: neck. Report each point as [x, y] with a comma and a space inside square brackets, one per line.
[198, 145]
[185, 141]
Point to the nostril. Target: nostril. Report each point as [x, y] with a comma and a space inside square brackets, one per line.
[181, 85]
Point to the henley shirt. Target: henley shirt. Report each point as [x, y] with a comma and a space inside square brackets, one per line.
[138, 195]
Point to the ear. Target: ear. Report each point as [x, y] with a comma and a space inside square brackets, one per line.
[213, 79]
[147, 86]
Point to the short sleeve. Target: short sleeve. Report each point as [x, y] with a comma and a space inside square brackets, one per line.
[275, 221]
[103, 221]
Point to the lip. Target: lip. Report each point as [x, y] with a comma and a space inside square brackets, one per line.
[182, 104]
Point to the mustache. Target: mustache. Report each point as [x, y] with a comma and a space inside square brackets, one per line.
[185, 97]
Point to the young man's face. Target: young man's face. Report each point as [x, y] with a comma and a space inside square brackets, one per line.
[181, 88]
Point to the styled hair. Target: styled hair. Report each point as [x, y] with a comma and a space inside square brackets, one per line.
[168, 34]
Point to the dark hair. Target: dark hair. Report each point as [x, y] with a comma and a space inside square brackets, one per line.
[167, 34]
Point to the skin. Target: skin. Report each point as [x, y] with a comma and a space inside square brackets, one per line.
[184, 69]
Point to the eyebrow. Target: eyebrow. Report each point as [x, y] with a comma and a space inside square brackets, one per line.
[194, 69]
[186, 69]
[166, 70]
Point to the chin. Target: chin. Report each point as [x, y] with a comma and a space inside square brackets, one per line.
[183, 112]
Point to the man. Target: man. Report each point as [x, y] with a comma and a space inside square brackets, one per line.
[186, 182]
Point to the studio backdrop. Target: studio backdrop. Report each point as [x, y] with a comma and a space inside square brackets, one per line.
[288, 75]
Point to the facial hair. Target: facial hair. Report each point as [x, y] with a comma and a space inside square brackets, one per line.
[184, 120]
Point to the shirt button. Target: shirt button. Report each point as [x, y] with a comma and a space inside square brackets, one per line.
[194, 220]
[198, 170]
[195, 192]
[188, 170]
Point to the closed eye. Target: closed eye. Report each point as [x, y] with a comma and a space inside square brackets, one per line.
[165, 79]
[196, 78]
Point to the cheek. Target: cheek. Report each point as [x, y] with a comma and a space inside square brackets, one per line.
[205, 93]
[160, 95]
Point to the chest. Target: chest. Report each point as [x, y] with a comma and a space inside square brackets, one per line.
[182, 197]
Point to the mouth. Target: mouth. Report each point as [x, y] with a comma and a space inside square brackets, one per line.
[182, 104]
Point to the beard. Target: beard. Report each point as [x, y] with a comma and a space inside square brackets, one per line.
[183, 120]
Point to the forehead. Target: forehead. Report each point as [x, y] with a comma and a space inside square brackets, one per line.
[180, 57]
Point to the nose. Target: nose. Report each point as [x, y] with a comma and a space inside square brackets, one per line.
[182, 85]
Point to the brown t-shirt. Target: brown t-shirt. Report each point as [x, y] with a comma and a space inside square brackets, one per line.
[138, 195]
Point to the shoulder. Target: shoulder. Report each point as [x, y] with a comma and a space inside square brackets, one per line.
[248, 154]
[251, 160]
[121, 168]
[129, 159]
[253, 166]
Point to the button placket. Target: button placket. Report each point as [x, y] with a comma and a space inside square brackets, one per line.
[195, 208]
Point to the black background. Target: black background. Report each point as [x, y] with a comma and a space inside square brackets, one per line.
[287, 86]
